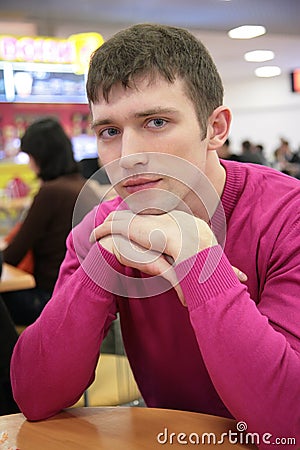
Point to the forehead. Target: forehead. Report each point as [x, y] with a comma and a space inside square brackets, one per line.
[143, 91]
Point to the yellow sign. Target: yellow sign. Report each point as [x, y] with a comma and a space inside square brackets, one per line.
[75, 50]
[85, 44]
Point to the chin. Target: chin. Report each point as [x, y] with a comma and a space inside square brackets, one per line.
[152, 201]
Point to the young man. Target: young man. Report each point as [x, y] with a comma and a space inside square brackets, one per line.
[162, 253]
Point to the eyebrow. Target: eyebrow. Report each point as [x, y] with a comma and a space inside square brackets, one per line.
[97, 123]
[146, 113]
[154, 111]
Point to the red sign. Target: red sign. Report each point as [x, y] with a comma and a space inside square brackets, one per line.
[296, 80]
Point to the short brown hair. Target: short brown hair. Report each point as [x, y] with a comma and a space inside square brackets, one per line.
[151, 49]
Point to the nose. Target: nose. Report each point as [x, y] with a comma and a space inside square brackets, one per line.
[133, 160]
[134, 150]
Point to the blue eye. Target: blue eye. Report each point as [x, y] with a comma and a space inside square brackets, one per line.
[112, 131]
[109, 132]
[157, 123]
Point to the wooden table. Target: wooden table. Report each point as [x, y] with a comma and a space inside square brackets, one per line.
[15, 204]
[13, 208]
[13, 279]
[115, 428]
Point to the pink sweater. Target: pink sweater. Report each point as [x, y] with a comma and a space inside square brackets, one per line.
[234, 351]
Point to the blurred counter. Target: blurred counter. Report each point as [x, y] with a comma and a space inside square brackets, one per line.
[10, 170]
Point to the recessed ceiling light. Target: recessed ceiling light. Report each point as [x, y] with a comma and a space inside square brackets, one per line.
[259, 55]
[246, 32]
[267, 71]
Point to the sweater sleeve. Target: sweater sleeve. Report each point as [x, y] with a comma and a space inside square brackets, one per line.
[251, 351]
[55, 358]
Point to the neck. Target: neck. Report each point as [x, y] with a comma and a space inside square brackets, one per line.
[204, 201]
[215, 172]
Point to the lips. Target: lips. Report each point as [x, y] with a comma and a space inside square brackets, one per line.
[137, 184]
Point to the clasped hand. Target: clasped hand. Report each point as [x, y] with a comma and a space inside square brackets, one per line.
[154, 244]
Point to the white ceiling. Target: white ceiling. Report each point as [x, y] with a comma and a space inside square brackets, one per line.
[209, 19]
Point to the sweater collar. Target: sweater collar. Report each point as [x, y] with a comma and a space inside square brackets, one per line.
[233, 185]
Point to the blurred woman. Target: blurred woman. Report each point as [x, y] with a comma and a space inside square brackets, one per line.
[49, 219]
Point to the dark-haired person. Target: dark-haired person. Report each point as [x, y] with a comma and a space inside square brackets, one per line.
[161, 254]
[224, 152]
[8, 339]
[249, 154]
[49, 219]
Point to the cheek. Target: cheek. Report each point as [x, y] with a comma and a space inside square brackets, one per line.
[187, 143]
[196, 150]
[106, 156]
[178, 187]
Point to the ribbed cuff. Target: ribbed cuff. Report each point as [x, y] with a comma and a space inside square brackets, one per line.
[205, 276]
[102, 268]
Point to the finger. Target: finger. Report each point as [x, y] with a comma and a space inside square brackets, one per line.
[117, 222]
[148, 261]
[103, 229]
[107, 243]
[134, 255]
[100, 231]
[170, 275]
[241, 275]
[180, 294]
[148, 234]
[167, 271]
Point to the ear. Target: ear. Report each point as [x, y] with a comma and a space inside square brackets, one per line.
[218, 127]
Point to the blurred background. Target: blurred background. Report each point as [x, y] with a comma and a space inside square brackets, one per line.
[44, 53]
[39, 76]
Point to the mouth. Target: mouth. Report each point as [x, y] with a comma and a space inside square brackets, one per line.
[136, 184]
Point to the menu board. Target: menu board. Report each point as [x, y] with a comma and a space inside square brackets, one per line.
[37, 83]
[2, 87]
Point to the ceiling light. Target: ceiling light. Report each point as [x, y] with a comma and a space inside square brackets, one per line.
[259, 55]
[246, 32]
[267, 71]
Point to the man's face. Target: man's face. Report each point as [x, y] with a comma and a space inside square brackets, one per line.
[150, 141]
